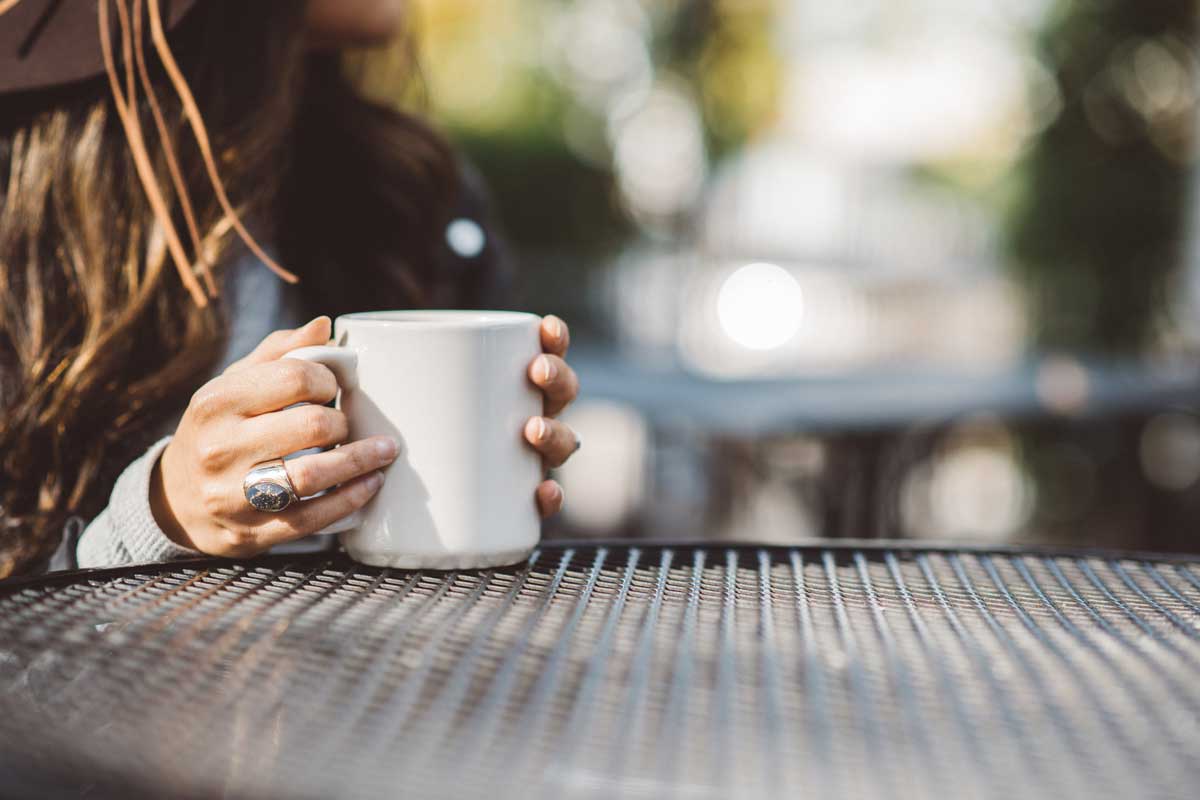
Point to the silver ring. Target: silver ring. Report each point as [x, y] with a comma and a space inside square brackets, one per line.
[268, 487]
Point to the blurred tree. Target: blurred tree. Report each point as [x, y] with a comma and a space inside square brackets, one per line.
[1098, 235]
[1099, 225]
[725, 49]
[498, 84]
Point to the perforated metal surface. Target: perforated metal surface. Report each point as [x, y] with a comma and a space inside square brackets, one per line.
[612, 671]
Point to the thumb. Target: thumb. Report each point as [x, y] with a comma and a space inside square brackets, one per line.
[282, 342]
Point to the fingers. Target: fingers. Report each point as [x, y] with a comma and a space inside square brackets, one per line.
[304, 519]
[556, 337]
[316, 473]
[554, 440]
[557, 381]
[549, 498]
[280, 343]
[275, 435]
[261, 388]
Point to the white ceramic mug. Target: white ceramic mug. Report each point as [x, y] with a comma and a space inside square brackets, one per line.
[452, 388]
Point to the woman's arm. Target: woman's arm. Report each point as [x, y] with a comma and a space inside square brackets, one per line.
[125, 532]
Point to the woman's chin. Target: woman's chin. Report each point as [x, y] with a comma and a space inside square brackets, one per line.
[335, 24]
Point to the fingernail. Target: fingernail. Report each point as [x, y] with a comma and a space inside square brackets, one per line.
[546, 369]
[374, 481]
[556, 327]
[536, 429]
[312, 322]
[387, 448]
[558, 493]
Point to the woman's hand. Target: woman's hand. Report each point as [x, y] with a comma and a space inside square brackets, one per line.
[248, 415]
[242, 418]
[555, 441]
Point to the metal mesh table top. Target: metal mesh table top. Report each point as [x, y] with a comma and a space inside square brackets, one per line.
[611, 671]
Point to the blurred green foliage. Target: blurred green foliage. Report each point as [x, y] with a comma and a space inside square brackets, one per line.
[496, 87]
[546, 196]
[724, 49]
[1098, 228]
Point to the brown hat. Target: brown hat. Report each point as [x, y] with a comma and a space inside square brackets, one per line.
[46, 43]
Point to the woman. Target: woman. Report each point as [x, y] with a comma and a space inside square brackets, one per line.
[138, 146]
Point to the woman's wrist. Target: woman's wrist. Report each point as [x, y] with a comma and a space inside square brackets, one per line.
[127, 530]
[160, 506]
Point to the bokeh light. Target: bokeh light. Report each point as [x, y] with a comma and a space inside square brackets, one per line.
[773, 320]
[1062, 384]
[659, 153]
[465, 237]
[1170, 451]
[760, 306]
[600, 47]
[605, 482]
[972, 487]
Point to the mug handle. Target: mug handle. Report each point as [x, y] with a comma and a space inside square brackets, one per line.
[343, 363]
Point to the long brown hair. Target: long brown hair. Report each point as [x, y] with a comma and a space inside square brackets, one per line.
[100, 341]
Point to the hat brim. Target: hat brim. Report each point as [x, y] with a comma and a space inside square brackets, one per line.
[47, 43]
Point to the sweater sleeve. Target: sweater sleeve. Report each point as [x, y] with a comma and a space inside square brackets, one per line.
[125, 531]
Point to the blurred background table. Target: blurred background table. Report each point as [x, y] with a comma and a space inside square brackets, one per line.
[1039, 451]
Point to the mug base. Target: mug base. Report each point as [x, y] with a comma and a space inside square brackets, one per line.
[443, 561]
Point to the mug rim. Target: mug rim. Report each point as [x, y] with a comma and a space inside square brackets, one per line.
[441, 318]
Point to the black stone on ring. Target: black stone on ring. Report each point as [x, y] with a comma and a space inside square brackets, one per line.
[268, 487]
[269, 497]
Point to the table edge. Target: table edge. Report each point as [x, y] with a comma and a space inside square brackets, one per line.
[804, 546]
